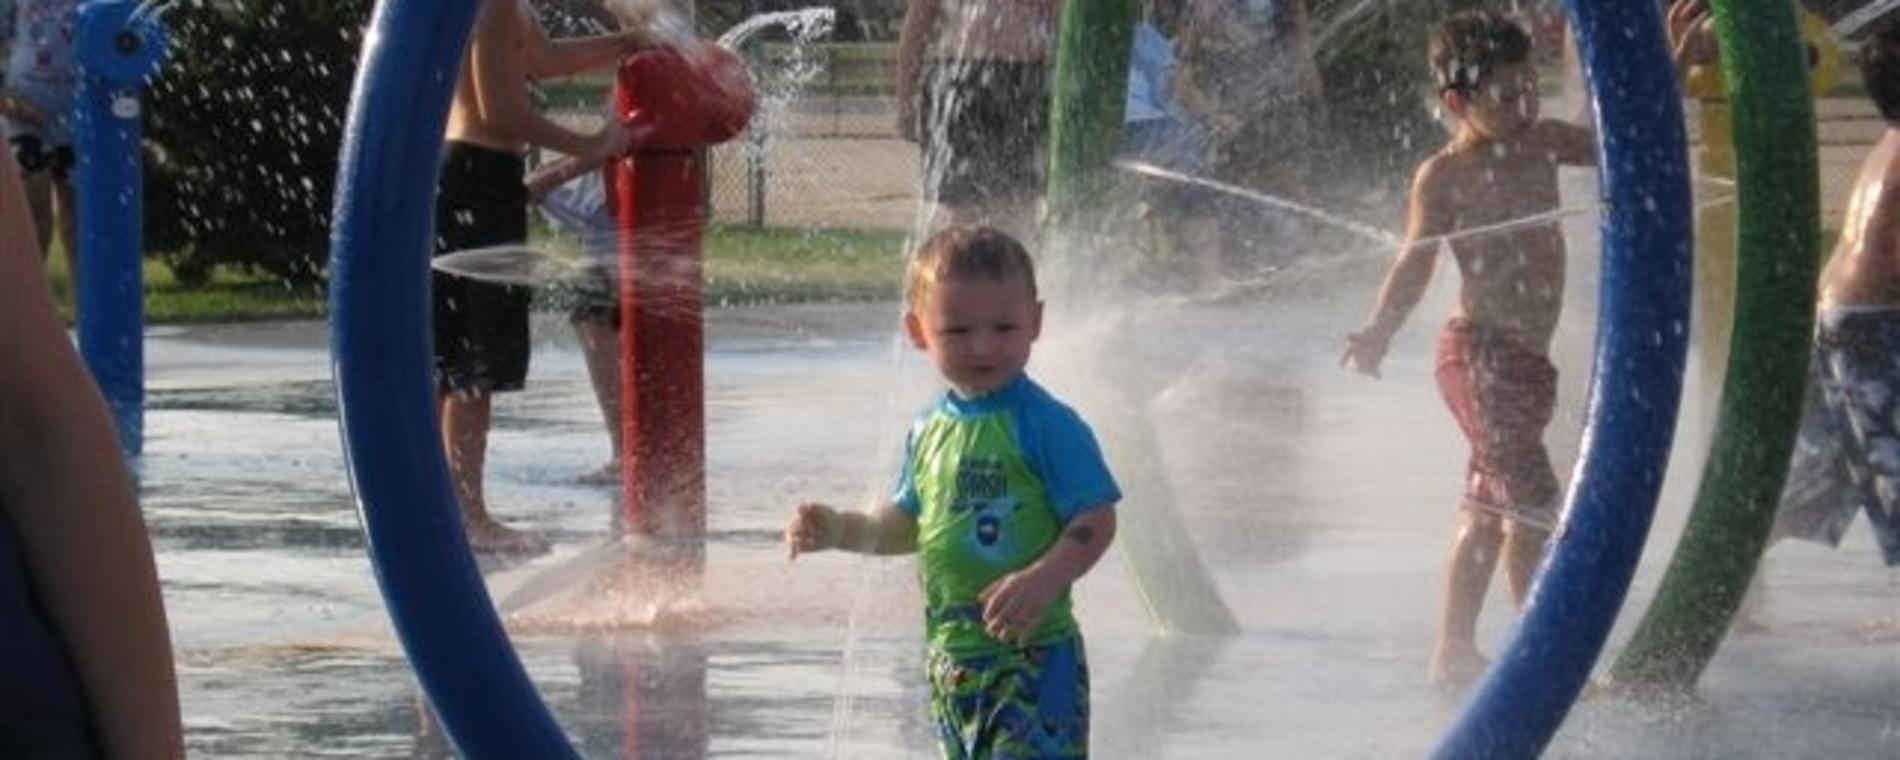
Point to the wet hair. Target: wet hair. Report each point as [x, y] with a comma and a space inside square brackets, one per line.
[967, 253]
[1466, 48]
[1880, 70]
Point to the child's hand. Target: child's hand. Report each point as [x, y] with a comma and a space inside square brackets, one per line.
[811, 529]
[1364, 351]
[612, 141]
[1692, 33]
[539, 185]
[1014, 605]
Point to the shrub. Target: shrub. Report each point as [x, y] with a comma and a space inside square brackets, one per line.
[243, 127]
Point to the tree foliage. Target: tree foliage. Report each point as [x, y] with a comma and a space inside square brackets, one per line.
[243, 127]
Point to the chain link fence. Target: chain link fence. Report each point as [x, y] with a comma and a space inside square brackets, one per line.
[1847, 127]
[823, 149]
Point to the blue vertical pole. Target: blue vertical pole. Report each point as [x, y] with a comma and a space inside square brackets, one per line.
[116, 46]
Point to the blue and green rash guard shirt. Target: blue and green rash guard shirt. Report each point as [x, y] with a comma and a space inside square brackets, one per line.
[991, 481]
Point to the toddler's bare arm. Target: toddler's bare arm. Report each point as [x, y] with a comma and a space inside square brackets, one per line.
[884, 530]
[1014, 605]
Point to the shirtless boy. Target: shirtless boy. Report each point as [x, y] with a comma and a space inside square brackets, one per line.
[481, 329]
[1493, 365]
[1857, 336]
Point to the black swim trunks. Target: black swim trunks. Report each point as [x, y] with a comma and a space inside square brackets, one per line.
[481, 329]
[984, 125]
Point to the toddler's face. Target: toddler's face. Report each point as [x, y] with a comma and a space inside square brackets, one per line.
[977, 331]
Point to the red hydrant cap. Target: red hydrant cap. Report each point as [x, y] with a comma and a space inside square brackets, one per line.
[688, 99]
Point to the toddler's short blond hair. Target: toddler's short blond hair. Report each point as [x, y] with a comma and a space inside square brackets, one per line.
[967, 252]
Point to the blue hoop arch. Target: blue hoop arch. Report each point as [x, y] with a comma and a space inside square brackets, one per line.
[379, 334]
[1635, 389]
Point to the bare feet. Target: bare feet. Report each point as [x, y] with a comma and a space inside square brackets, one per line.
[1455, 667]
[487, 536]
[607, 475]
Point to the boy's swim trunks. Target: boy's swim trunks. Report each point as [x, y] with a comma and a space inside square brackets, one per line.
[1820, 498]
[1024, 703]
[1859, 354]
[1503, 397]
[481, 329]
[580, 208]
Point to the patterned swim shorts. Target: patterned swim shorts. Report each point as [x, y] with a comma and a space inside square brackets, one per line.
[1853, 430]
[1031, 702]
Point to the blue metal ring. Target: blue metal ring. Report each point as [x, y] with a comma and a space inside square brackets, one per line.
[379, 332]
[1636, 388]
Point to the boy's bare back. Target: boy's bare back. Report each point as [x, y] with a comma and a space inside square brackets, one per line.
[1512, 280]
[1865, 268]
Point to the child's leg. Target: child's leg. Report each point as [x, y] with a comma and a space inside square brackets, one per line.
[600, 347]
[1200, 235]
[465, 417]
[1524, 547]
[1474, 556]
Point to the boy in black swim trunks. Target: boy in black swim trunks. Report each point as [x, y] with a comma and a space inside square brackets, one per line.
[481, 330]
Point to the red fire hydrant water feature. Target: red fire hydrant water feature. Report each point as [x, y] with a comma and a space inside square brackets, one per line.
[676, 103]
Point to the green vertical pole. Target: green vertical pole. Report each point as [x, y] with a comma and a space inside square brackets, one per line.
[1088, 95]
[1765, 70]
[1089, 92]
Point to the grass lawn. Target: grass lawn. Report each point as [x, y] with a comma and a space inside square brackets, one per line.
[743, 265]
[230, 296]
